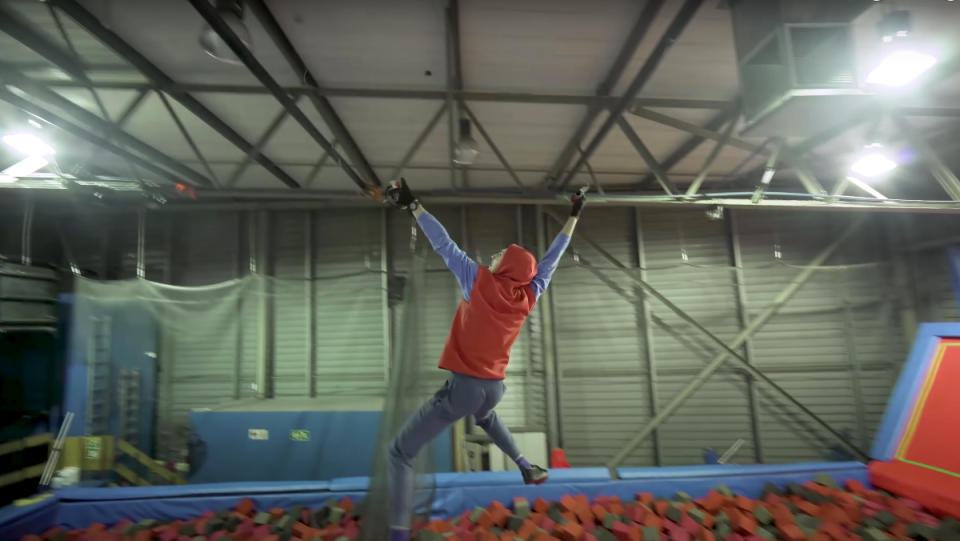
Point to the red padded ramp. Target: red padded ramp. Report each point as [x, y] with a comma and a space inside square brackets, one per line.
[933, 439]
[937, 491]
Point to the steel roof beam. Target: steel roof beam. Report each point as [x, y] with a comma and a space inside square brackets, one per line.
[322, 105]
[160, 79]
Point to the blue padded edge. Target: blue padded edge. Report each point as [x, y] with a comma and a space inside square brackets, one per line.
[713, 471]
[18, 521]
[77, 514]
[112, 505]
[190, 491]
[510, 478]
[912, 376]
[341, 484]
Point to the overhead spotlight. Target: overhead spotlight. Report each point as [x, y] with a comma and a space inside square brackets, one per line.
[467, 149]
[231, 12]
[903, 63]
[28, 144]
[873, 162]
[900, 68]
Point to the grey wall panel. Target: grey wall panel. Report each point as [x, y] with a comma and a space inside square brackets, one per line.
[351, 339]
[714, 417]
[201, 364]
[600, 358]
[291, 297]
[688, 261]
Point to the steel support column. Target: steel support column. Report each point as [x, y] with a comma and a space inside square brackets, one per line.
[141, 244]
[670, 36]
[721, 358]
[740, 285]
[644, 315]
[92, 25]
[548, 337]
[310, 275]
[26, 231]
[637, 33]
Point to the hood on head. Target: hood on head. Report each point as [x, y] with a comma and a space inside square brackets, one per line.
[518, 265]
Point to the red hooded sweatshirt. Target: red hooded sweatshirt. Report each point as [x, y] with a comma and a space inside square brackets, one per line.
[485, 328]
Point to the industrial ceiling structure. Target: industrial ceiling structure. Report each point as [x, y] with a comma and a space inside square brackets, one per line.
[651, 102]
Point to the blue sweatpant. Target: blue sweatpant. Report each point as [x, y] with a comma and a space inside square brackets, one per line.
[460, 396]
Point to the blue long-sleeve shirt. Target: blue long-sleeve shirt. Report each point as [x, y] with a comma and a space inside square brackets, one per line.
[465, 269]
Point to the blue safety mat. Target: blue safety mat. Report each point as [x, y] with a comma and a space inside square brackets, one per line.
[455, 493]
[19, 520]
[510, 478]
[184, 491]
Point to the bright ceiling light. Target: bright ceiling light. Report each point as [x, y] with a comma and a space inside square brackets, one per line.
[6, 179]
[26, 166]
[873, 163]
[900, 68]
[29, 144]
[231, 12]
[467, 148]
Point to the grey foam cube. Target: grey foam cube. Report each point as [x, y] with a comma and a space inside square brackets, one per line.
[609, 520]
[674, 513]
[261, 518]
[766, 534]
[697, 515]
[807, 521]
[875, 534]
[763, 516]
[683, 496]
[521, 508]
[651, 534]
[476, 514]
[336, 515]
[723, 490]
[886, 518]
[515, 522]
[826, 480]
[604, 535]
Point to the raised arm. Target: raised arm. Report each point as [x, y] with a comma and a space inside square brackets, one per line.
[459, 263]
[550, 260]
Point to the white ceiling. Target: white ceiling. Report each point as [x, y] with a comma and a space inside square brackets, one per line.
[529, 46]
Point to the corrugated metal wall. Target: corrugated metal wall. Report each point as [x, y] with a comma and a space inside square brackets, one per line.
[837, 346]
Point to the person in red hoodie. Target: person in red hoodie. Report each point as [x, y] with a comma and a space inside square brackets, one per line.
[496, 301]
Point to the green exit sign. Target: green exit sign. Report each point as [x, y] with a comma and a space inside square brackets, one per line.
[300, 435]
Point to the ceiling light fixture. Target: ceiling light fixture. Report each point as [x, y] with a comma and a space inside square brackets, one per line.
[467, 149]
[26, 166]
[28, 144]
[231, 12]
[903, 63]
[873, 162]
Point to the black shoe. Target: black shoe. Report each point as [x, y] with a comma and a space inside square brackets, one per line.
[534, 475]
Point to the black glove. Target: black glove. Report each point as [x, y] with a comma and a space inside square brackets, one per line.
[579, 199]
[400, 195]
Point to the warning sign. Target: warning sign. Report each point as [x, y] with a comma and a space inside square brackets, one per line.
[258, 434]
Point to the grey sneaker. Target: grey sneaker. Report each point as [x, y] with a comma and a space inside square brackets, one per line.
[535, 475]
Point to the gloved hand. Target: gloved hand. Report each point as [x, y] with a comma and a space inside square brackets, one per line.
[400, 195]
[579, 199]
